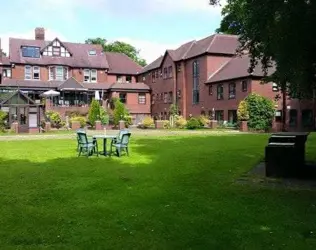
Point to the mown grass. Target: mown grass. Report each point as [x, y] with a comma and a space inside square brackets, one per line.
[171, 193]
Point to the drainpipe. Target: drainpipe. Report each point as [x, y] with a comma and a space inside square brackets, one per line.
[284, 106]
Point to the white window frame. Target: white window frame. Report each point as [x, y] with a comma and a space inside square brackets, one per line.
[57, 77]
[86, 72]
[119, 79]
[93, 75]
[51, 73]
[36, 69]
[28, 72]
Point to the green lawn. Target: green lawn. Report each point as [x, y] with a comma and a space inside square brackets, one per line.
[172, 193]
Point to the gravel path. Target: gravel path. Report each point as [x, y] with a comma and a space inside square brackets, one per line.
[136, 132]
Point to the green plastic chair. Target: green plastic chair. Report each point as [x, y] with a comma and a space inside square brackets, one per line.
[121, 145]
[119, 136]
[86, 146]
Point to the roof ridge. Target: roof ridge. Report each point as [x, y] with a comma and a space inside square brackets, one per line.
[219, 69]
[211, 43]
[190, 47]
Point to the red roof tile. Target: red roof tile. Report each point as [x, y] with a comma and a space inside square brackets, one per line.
[214, 44]
[121, 64]
[5, 61]
[80, 54]
[235, 68]
[72, 83]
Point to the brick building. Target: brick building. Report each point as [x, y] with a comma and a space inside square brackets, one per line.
[76, 70]
[203, 75]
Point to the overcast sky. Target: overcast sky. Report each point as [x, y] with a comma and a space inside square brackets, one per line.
[150, 25]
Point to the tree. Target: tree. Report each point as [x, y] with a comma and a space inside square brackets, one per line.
[120, 112]
[94, 112]
[120, 47]
[276, 33]
[260, 111]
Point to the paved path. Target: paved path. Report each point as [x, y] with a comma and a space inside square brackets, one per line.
[137, 132]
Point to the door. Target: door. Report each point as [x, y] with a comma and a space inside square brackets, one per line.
[23, 119]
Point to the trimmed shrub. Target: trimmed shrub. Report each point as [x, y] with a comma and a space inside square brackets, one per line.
[166, 124]
[120, 112]
[180, 122]
[203, 120]
[193, 123]
[104, 116]
[94, 112]
[3, 117]
[54, 118]
[75, 113]
[242, 111]
[261, 112]
[147, 122]
[81, 119]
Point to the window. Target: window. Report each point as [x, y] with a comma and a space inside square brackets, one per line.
[219, 115]
[307, 117]
[119, 78]
[92, 53]
[93, 74]
[170, 97]
[220, 92]
[232, 116]
[90, 75]
[165, 97]
[28, 72]
[6, 73]
[141, 98]
[58, 73]
[278, 116]
[244, 86]
[232, 91]
[293, 118]
[170, 74]
[128, 79]
[86, 74]
[36, 72]
[156, 74]
[123, 97]
[56, 51]
[144, 78]
[160, 72]
[210, 89]
[33, 52]
[275, 87]
[196, 78]
[165, 73]
[153, 76]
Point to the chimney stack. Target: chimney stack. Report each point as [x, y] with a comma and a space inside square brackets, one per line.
[40, 34]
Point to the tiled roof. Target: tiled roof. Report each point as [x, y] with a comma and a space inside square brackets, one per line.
[72, 83]
[117, 63]
[130, 86]
[235, 68]
[80, 54]
[29, 83]
[4, 61]
[121, 64]
[155, 64]
[215, 44]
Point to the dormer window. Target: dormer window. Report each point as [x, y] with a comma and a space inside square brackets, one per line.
[92, 53]
[56, 51]
[28, 51]
[56, 48]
